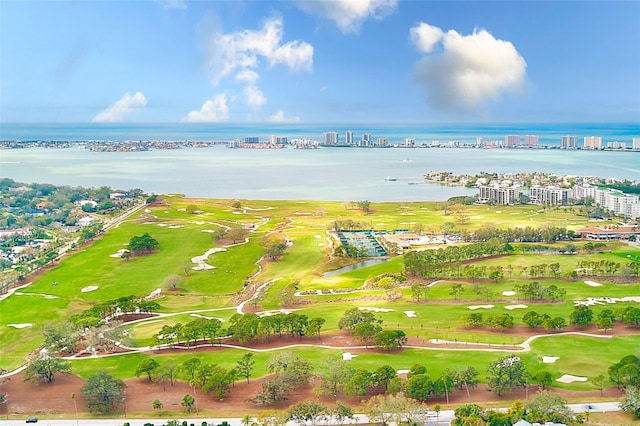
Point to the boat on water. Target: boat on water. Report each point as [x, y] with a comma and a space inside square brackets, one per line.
[406, 160]
[390, 179]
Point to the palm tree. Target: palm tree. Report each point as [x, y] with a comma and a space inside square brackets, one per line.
[246, 420]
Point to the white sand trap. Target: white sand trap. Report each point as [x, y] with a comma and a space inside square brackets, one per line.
[162, 224]
[210, 231]
[410, 314]
[512, 307]
[119, 253]
[200, 260]
[348, 356]
[317, 236]
[375, 309]
[402, 371]
[175, 226]
[205, 317]
[568, 378]
[550, 359]
[320, 244]
[509, 293]
[154, 294]
[89, 288]
[46, 296]
[22, 325]
[474, 307]
[592, 283]
[270, 313]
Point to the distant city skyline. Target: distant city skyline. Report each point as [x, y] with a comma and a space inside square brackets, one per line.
[319, 61]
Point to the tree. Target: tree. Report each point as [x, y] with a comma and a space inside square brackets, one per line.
[631, 401]
[456, 290]
[236, 234]
[245, 365]
[172, 281]
[543, 378]
[355, 316]
[45, 367]
[61, 338]
[466, 412]
[147, 366]
[366, 331]
[188, 402]
[103, 393]
[505, 374]
[391, 339]
[605, 320]
[626, 372]
[334, 374]
[308, 411]
[532, 319]
[384, 374]
[547, 407]
[360, 383]
[600, 382]
[315, 325]
[275, 251]
[157, 405]
[419, 387]
[142, 244]
[191, 209]
[581, 316]
[342, 412]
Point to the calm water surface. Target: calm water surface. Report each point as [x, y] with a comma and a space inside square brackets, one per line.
[340, 174]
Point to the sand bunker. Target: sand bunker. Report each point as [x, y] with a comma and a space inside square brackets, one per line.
[402, 371]
[592, 283]
[512, 307]
[22, 325]
[509, 293]
[154, 294]
[119, 253]
[46, 296]
[205, 317]
[568, 378]
[277, 311]
[550, 359]
[375, 309]
[200, 260]
[317, 236]
[606, 300]
[410, 314]
[347, 356]
[175, 226]
[89, 288]
[474, 307]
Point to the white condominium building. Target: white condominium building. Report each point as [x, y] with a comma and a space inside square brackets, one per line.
[498, 194]
[549, 195]
[618, 202]
[636, 143]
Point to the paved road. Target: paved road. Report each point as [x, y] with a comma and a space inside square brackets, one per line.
[443, 419]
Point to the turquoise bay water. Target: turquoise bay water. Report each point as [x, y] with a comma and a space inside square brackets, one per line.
[341, 174]
[549, 134]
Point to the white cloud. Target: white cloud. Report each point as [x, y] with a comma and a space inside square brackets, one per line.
[126, 104]
[246, 49]
[248, 76]
[349, 15]
[279, 117]
[470, 70]
[425, 36]
[173, 4]
[213, 110]
[254, 96]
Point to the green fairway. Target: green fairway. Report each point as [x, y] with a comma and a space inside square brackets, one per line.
[93, 274]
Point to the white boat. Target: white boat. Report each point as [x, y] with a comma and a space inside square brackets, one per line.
[390, 179]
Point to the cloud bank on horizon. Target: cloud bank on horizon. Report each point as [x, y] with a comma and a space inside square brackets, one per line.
[319, 61]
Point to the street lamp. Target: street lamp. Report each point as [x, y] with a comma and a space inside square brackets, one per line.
[75, 406]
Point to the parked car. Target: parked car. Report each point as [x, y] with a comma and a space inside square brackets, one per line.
[32, 420]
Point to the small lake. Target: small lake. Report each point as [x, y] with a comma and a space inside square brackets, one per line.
[359, 265]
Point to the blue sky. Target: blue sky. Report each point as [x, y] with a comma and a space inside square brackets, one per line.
[313, 61]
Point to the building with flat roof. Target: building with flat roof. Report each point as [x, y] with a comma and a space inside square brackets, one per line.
[621, 204]
[331, 138]
[531, 141]
[549, 195]
[498, 194]
[348, 137]
[592, 142]
[278, 140]
[252, 139]
[512, 141]
[636, 143]
[569, 142]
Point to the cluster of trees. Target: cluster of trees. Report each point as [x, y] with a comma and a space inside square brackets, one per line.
[435, 263]
[543, 407]
[422, 387]
[99, 313]
[291, 372]
[500, 321]
[140, 244]
[245, 328]
[235, 234]
[607, 267]
[368, 328]
[626, 375]
[535, 291]
[527, 234]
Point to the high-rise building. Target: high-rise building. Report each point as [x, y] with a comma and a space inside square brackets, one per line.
[348, 137]
[409, 142]
[383, 142]
[592, 142]
[278, 140]
[570, 142]
[330, 138]
[366, 140]
[531, 141]
[511, 141]
[252, 139]
[636, 143]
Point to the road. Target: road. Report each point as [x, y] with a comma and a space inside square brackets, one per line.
[444, 418]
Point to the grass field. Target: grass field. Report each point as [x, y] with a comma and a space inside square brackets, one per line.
[183, 236]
